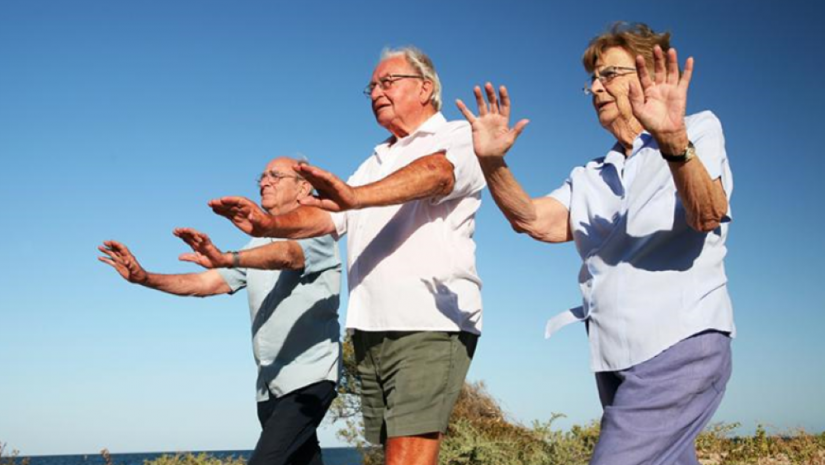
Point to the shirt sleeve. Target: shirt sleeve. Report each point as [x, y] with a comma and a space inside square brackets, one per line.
[320, 253]
[564, 193]
[457, 142]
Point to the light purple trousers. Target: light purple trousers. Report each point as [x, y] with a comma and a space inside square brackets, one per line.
[654, 410]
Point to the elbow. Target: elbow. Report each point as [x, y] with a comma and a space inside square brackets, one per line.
[294, 260]
[705, 226]
[530, 229]
[705, 223]
[444, 173]
[447, 183]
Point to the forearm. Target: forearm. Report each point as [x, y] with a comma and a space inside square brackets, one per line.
[543, 219]
[191, 284]
[301, 223]
[282, 255]
[703, 198]
[429, 176]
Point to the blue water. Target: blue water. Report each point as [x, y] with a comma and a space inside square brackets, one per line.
[332, 456]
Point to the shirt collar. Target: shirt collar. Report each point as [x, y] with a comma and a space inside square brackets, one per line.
[616, 156]
[430, 126]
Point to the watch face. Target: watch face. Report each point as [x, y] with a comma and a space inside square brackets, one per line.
[690, 151]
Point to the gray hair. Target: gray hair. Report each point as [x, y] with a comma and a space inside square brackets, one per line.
[422, 64]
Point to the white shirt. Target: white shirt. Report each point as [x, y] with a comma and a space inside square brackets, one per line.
[647, 280]
[412, 266]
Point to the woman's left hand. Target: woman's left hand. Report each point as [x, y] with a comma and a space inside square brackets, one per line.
[659, 104]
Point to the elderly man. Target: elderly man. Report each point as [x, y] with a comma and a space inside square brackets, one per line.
[408, 212]
[649, 220]
[293, 304]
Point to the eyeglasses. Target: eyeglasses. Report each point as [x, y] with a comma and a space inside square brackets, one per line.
[387, 81]
[275, 176]
[606, 75]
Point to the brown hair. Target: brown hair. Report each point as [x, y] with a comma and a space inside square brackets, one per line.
[635, 38]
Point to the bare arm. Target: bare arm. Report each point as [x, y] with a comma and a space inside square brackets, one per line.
[659, 104]
[300, 223]
[281, 255]
[203, 284]
[429, 176]
[543, 218]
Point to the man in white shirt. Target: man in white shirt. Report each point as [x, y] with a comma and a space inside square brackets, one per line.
[409, 215]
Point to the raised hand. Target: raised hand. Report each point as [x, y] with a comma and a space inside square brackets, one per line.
[204, 252]
[243, 213]
[333, 194]
[659, 104]
[121, 259]
[492, 135]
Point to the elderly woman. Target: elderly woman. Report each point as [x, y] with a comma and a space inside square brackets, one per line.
[649, 219]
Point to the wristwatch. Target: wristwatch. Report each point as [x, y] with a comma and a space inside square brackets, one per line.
[685, 156]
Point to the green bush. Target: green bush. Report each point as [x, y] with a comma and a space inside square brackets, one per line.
[480, 433]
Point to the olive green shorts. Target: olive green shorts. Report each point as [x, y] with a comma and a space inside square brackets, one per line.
[410, 381]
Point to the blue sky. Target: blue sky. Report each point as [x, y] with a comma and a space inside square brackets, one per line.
[120, 120]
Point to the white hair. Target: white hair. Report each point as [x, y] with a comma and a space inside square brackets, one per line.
[422, 64]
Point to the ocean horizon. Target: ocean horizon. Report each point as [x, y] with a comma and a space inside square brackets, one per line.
[332, 456]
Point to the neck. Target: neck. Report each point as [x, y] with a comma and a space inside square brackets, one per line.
[405, 128]
[283, 209]
[625, 130]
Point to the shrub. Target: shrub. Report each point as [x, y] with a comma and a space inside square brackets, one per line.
[192, 459]
[10, 458]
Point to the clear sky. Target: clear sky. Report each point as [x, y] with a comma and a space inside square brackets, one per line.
[120, 120]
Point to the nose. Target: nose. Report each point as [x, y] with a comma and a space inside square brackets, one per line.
[266, 179]
[596, 86]
[376, 92]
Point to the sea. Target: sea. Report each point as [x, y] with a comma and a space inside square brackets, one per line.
[332, 456]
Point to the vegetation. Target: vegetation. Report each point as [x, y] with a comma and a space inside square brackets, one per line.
[480, 433]
[10, 458]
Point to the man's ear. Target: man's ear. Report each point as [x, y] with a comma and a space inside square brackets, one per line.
[427, 89]
[306, 189]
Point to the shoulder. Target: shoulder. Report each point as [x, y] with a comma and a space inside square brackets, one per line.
[704, 122]
[456, 128]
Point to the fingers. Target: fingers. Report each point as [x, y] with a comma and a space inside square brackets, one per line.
[672, 66]
[520, 127]
[310, 201]
[491, 97]
[659, 69]
[636, 96]
[641, 70]
[225, 204]
[505, 101]
[317, 173]
[687, 74]
[188, 257]
[482, 106]
[468, 115]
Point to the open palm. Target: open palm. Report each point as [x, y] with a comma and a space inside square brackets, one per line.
[660, 103]
[492, 134]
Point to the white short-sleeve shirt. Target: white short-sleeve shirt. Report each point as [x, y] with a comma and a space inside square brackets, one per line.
[647, 279]
[411, 267]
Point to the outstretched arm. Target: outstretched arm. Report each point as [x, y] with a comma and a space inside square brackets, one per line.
[300, 223]
[544, 218]
[281, 255]
[429, 176]
[203, 284]
[659, 105]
